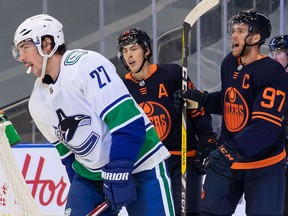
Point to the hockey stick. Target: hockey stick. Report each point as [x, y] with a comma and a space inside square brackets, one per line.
[99, 209]
[189, 21]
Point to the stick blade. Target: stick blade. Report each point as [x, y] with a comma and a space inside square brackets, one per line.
[199, 10]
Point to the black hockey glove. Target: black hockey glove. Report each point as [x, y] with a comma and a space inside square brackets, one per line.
[206, 144]
[194, 95]
[220, 160]
[178, 102]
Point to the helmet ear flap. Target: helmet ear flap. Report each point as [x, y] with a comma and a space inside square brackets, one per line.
[147, 49]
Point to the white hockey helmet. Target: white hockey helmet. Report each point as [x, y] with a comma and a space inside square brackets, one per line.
[34, 28]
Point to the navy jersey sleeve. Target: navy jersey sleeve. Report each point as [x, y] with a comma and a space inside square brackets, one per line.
[214, 103]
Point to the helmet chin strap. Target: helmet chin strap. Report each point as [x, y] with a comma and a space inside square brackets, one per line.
[144, 60]
[44, 64]
[246, 45]
[45, 58]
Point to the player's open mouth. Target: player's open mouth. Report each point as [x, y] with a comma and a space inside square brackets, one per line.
[131, 63]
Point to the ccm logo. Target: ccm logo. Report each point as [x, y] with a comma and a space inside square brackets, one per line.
[226, 153]
[115, 176]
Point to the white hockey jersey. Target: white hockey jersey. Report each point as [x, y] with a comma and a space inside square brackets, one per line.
[88, 111]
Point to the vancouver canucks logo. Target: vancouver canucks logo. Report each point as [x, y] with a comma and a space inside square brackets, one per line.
[68, 125]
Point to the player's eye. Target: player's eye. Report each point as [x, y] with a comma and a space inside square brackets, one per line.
[279, 52]
[26, 48]
[134, 48]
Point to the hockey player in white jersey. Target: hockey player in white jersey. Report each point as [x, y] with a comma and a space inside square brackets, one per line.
[80, 104]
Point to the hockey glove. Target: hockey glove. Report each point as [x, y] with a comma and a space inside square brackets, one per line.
[195, 95]
[119, 185]
[178, 102]
[206, 144]
[220, 160]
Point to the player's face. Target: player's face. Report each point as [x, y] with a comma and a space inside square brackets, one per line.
[29, 55]
[239, 34]
[133, 55]
[280, 56]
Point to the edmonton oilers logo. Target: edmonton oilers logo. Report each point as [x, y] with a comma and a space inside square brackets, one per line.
[236, 111]
[159, 116]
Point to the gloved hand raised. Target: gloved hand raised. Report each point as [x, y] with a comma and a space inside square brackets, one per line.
[206, 144]
[190, 94]
[119, 185]
[220, 160]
